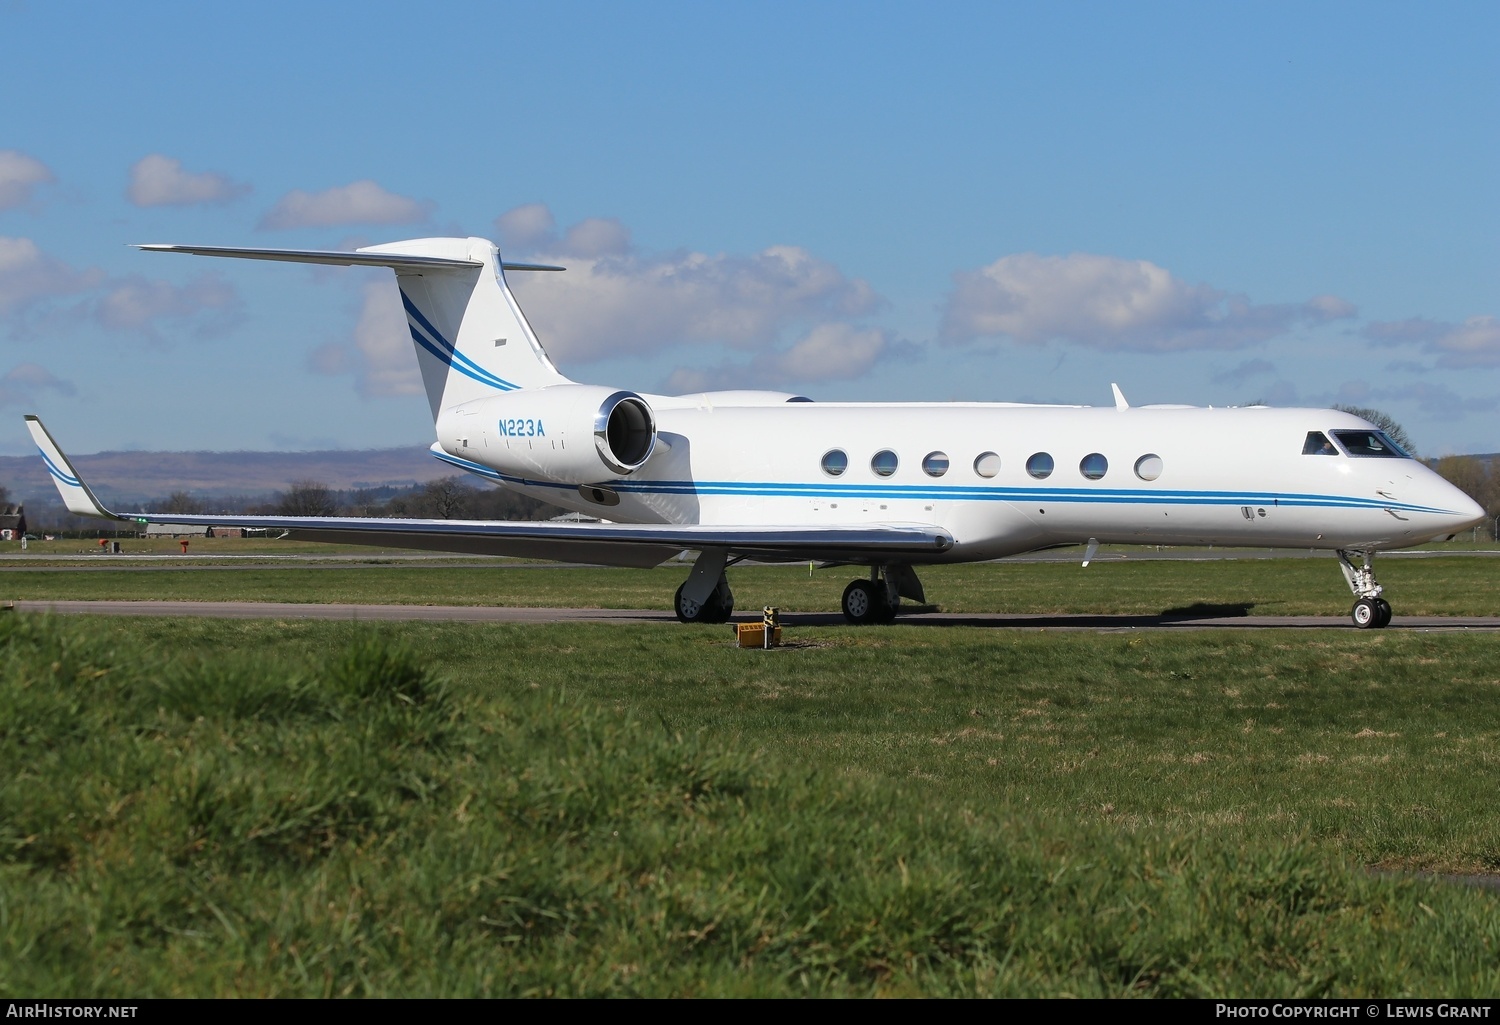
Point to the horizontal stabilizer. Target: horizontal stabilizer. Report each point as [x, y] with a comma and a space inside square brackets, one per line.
[337, 257]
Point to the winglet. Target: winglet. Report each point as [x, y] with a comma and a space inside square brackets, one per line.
[76, 495]
[1120, 402]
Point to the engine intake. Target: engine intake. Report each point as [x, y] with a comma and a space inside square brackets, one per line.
[625, 432]
[568, 434]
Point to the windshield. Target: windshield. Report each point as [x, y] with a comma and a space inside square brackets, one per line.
[1317, 444]
[1369, 443]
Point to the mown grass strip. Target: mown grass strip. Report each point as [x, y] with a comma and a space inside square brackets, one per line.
[310, 808]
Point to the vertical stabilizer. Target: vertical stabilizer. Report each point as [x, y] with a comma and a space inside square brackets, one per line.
[471, 338]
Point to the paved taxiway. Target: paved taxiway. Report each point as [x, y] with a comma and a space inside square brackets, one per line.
[491, 614]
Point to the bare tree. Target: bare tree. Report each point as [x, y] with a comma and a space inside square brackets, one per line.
[448, 497]
[307, 498]
[182, 502]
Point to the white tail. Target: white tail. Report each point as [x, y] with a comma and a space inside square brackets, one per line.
[472, 339]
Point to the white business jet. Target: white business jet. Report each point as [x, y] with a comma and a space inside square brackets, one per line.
[772, 476]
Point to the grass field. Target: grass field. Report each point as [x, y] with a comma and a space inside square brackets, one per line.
[1453, 585]
[300, 808]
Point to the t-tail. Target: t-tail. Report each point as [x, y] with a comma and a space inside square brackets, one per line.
[471, 338]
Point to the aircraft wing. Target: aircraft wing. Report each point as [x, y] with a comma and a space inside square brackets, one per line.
[611, 544]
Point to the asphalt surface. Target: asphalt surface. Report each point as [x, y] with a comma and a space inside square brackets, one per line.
[1215, 619]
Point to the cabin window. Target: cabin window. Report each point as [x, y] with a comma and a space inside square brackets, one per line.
[987, 464]
[1370, 443]
[1093, 466]
[1040, 466]
[1317, 444]
[935, 464]
[835, 462]
[1148, 467]
[883, 463]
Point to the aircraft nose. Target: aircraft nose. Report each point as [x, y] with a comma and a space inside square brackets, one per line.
[1460, 511]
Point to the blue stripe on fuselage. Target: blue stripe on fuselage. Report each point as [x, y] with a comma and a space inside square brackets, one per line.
[931, 493]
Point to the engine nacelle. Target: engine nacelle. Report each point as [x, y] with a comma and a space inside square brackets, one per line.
[569, 433]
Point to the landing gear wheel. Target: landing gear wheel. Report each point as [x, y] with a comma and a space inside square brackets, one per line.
[1370, 610]
[717, 609]
[862, 603]
[888, 609]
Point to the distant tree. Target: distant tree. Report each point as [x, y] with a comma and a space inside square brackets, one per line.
[1466, 473]
[448, 497]
[307, 498]
[4, 495]
[1477, 478]
[1392, 429]
[181, 502]
[362, 502]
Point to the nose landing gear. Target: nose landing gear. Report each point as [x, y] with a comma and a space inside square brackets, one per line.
[1370, 611]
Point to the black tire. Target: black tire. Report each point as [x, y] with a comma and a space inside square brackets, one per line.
[1366, 614]
[862, 603]
[888, 608]
[720, 604]
[717, 609]
[1384, 608]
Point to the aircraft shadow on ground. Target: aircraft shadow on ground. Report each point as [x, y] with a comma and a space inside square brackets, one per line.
[931, 616]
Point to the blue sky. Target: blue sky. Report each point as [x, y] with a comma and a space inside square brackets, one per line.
[1206, 203]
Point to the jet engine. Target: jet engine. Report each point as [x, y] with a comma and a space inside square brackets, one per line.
[569, 433]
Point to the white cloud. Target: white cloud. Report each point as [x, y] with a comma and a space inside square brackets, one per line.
[615, 301]
[829, 352]
[159, 180]
[361, 202]
[28, 277]
[1249, 368]
[23, 382]
[525, 228]
[1474, 343]
[381, 356]
[136, 303]
[596, 237]
[1106, 302]
[28, 274]
[19, 175]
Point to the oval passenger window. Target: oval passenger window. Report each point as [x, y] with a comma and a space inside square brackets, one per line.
[835, 462]
[1040, 466]
[987, 464]
[935, 464]
[1093, 466]
[883, 463]
[1148, 467]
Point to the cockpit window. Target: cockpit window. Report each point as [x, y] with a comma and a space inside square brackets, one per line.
[1317, 444]
[1370, 443]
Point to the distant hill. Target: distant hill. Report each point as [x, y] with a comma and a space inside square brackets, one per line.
[123, 477]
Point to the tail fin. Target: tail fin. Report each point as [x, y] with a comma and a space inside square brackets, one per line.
[472, 339]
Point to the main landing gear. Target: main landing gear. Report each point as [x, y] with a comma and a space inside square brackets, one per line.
[704, 596]
[878, 599]
[1370, 611]
[717, 608]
